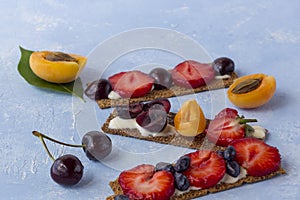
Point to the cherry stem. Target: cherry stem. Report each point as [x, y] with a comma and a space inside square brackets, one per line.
[45, 146]
[41, 135]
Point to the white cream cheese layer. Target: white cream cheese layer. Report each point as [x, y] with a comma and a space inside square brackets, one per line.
[114, 95]
[178, 192]
[226, 76]
[119, 123]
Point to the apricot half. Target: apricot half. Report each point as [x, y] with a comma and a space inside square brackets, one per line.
[252, 91]
[56, 67]
[190, 119]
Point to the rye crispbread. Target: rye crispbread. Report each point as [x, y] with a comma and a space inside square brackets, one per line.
[198, 193]
[167, 93]
[198, 142]
[177, 140]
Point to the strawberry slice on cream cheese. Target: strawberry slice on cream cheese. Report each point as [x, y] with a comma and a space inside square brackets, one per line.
[131, 84]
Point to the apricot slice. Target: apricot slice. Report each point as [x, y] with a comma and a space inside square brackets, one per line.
[190, 119]
[56, 67]
[252, 91]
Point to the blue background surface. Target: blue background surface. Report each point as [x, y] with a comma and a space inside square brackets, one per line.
[261, 37]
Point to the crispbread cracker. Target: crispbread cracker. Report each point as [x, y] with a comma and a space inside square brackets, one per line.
[198, 193]
[177, 140]
[172, 92]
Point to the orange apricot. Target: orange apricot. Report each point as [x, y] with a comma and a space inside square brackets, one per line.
[56, 67]
[190, 119]
[252, 91]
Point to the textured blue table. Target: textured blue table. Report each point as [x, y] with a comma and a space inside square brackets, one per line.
[261, 36]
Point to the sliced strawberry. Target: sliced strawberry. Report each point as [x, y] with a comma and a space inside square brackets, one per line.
[222, 131]
[192, 74]
[142, 182]
[207, 168]
[226, 127]
[115, 78]
[257, 157]
[227, 112]
[131, 84]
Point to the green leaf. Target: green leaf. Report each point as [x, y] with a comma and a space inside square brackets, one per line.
[75, 88]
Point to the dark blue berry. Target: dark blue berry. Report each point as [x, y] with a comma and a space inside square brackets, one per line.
[182, 163]
[163, 166]
[121, 197]
[232, 168]
[182, 183]
[229, 153]
[220, 153]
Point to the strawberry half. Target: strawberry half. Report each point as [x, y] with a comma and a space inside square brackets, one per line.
[192, 74]
[257, 157]
[131, 84]
[142, 182]
[207, 168]
[226, 127]
[227, 112]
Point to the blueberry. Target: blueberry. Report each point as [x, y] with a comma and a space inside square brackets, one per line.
[229, 153]
[163, 166]
[182, 183]
[220, 153]
[121, 197]
[232, 168]
[182, 163]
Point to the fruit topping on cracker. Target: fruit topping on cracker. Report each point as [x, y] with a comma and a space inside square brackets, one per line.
[187, 77]
[200, 172]
[188, 127]
[227, 126]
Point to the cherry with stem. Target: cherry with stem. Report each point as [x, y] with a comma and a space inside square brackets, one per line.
[66, 170]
